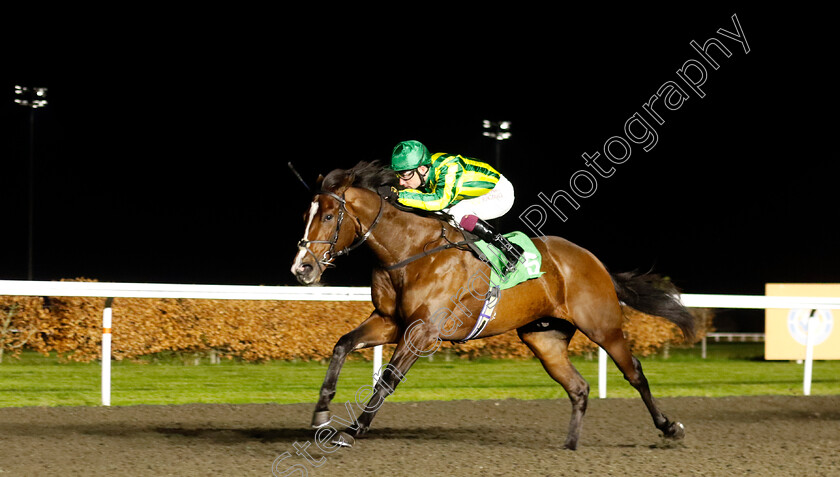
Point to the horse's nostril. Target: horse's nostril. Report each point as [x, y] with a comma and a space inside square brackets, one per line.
[305, 268]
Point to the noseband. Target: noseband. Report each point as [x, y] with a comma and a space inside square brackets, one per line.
[330, 255]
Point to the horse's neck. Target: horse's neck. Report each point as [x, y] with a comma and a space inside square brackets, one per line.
[400, 235]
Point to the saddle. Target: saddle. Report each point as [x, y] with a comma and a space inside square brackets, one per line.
[527, 268]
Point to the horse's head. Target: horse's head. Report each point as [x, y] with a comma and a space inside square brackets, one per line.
[330, 227]
[327, 234]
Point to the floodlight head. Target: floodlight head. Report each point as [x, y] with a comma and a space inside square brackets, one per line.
[31, 97]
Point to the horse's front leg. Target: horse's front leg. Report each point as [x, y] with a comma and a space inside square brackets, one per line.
[376, 330]
[420, 339]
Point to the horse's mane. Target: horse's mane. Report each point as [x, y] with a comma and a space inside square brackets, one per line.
[372, 175]
[368, 175]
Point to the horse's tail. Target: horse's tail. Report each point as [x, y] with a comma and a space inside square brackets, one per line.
[654, 295]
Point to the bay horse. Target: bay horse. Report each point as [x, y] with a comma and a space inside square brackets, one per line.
[421, 298]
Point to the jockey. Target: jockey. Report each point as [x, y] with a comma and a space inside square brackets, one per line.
[469, 190]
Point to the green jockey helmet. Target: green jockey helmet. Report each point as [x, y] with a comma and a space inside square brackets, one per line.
[410, 155]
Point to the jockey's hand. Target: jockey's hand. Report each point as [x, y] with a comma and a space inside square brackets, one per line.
[389, 193]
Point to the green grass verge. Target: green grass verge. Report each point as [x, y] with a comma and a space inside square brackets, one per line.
[729, 370]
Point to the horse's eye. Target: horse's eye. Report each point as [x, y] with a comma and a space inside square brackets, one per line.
[328, 217]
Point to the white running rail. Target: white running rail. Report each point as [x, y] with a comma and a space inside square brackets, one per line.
[744, 302]
[110, 290]
[246, 292]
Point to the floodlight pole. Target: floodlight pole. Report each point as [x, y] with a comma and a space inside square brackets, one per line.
[500, 131]
[32, 98]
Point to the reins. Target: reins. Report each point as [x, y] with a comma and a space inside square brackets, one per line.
[330, 255]
[426, 253]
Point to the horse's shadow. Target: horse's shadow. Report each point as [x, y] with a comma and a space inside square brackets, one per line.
[480, 434]
[229, 435]
[476, 435]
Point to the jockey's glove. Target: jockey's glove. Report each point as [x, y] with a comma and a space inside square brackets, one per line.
[389, 193]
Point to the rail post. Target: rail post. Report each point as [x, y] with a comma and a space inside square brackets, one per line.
[106, 352]
[377, 363]
[602, 373]
[813, 322]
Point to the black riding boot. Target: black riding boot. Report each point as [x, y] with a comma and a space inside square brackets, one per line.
[512, 251]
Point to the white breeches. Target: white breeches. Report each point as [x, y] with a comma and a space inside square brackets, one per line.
[491, 205]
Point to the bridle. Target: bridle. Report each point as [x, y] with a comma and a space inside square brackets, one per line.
[330, 254]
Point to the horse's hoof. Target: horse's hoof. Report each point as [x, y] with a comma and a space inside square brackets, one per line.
[675, 431]
[321, 419]
[343, 439]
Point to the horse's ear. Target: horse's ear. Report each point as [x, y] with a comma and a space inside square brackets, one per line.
[318, 181]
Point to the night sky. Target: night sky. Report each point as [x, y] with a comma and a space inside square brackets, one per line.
[161, 156]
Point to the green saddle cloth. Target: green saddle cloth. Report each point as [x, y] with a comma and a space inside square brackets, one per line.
[529, 266]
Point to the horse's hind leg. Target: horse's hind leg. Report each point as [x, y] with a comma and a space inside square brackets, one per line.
[605, 330]
[548, 339]
[376, 330]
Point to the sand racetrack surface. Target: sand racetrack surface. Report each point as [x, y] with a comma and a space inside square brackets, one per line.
[766, 436]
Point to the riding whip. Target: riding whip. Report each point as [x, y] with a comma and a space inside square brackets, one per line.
[295, 172]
